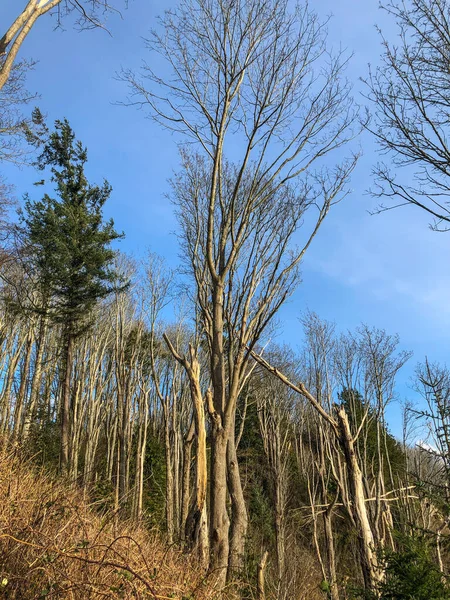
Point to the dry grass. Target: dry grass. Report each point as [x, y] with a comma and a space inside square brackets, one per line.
[53, 544]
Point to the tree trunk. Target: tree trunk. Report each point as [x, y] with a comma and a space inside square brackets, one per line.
[369, 564]
[239, 519]
[169, 471]
[186, 479]
[14, 358]
[219, 520]
[36, 380]
[65, 405]
[196, 532]
[260, 584]
[21, 395]
[121, 450]
[196, 523]
[331, 557]
[177, 437]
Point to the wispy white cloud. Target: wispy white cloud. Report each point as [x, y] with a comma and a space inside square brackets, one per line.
[393, 257]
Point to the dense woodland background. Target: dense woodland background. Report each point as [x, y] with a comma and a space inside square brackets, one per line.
[157, 439]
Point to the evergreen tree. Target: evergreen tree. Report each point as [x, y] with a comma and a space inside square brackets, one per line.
[411, 573]
[356, 407]
[70, 247]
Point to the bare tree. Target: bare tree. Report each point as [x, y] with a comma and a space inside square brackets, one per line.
[318, 367]
[254, 81]
[433, 382]
[381, 360]
[274, 404]
[196, 522]
[411, 101]
[341, 430]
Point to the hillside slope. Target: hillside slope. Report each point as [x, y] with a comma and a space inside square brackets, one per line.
[54, 544]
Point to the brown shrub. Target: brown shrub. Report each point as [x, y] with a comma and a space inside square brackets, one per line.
[53, 544]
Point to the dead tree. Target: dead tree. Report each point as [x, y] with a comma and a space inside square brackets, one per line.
[380, 362]
[318, 369]
[196, 521]
[340, 428]
[274, 406]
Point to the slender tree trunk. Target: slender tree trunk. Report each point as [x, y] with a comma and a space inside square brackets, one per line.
[169, 471]
[21, 395]
[128, 436]
[77, 414]
[134, 507]
[331, 555]
[261, 578]
[325, 462]
[186, 479]
[93, 430]
[280, 533]
[65, 405]
[239, 519]
[176, 469]
[111, 435]
[196, 523]
[121, 450]
[142, 448]
[6, 392]
[36, 380]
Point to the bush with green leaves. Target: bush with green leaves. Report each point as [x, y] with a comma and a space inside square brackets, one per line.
[411, 573]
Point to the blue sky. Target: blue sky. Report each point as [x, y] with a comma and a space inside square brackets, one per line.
[389, 270]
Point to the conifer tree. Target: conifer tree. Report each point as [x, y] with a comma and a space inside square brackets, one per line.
[70, 254]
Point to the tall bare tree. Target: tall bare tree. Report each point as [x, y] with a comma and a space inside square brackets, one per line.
[274, 403]
[250, 85]
[318, 366]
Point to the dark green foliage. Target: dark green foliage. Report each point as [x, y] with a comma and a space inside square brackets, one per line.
[43, 444]
[257, 488]
[102, 495]
[155, 481]
[411, 573]
[69, 253]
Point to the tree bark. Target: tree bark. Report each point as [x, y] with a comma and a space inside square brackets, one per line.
[169, 470]
[186, 479]
[65, 404]
[239, 519]
[21, 394]
[36, 380]
[14, 357]
[261, 583]
[219, 519]
[196, 523]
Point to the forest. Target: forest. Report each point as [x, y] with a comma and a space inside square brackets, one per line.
[158, 436]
